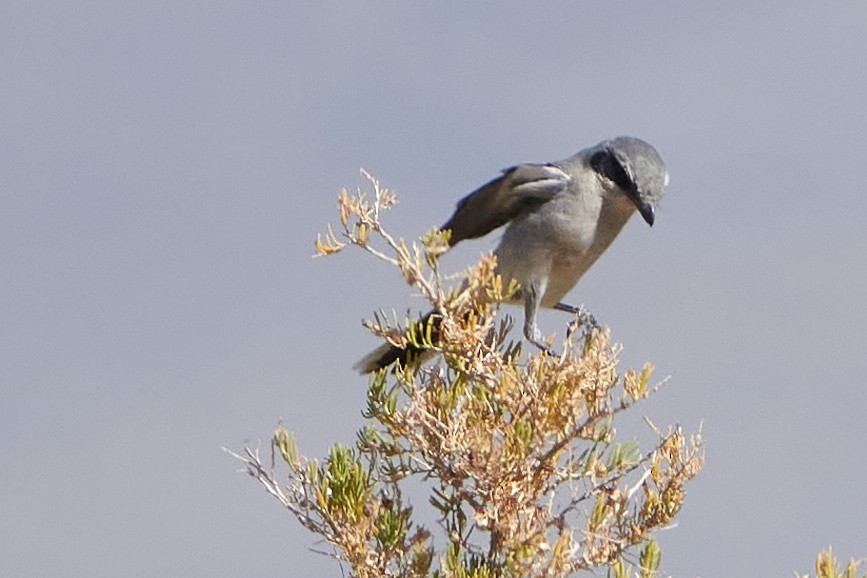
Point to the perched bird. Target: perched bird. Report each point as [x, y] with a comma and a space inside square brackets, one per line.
[561, 217]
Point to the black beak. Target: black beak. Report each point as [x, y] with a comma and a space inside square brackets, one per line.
[645, 208]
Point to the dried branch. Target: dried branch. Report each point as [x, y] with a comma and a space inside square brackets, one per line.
[527, 475]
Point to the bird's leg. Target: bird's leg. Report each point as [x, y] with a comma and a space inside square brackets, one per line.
[532, 296]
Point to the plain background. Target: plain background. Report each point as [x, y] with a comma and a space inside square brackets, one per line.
[165, 168]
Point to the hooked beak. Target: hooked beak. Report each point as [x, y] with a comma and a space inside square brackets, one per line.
[645, 208]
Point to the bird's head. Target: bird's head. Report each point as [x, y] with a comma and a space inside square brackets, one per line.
[631, 167]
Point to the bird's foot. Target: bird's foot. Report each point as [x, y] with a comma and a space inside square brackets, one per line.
[544, 347]
[582, 314]
[534, 336]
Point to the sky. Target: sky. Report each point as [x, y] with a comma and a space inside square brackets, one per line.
[166, 167]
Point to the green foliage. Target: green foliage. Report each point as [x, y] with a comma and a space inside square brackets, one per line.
[344, 488]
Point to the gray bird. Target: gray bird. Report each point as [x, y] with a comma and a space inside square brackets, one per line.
[561, 217]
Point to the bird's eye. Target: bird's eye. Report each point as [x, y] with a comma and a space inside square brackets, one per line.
[606, 164]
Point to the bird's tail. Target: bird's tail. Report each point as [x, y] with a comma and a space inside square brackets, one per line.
[387, 354]
[382, 356]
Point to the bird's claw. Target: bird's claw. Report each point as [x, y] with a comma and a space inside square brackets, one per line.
[582, 316]
[544, 347]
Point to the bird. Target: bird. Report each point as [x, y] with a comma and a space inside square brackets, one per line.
[559, 218]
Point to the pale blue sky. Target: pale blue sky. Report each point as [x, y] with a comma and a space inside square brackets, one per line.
[166, 166]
